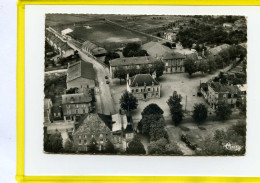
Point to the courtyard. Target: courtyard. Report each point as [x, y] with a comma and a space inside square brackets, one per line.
[185, 85]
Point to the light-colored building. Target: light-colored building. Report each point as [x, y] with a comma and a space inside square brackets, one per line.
[143, 86]
[66, 31]
[174, 62]
[80, 75]
[170, 36]
[93, 49]
[129, 62]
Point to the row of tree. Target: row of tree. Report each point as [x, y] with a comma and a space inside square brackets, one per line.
[223, 58]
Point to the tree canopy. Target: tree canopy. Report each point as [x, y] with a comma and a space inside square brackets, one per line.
[200, 113]
[174, 102]
[190, 66]
[152, 109]
[223, 111]
[134, 50]
[135, 147]
[110, 56]
[128, 102]
[162, 146]
[53, 143]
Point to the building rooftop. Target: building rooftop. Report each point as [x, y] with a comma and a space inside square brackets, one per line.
[155, 49]
[143, 79]
[80, 69]
[76, 98]
[173, 55]
[218, 87]
[217, 49]
[120, 122]
[132, 61]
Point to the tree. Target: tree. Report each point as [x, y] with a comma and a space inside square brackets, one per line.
[200, 113]
[173, 149]
[144, 69]
[68, 146]
[135, 147]
[92, 146]
[158, 67]
[157, 147]
[153, 126]
[211, 64]
[174, 102]
[110, 56]
[133, 50]
[128, 102]
[120, 73]
[243, 108]
[152, 109]
[190, 66]
[53, 143]
[108, 147]
[223, 111]
[203, 67]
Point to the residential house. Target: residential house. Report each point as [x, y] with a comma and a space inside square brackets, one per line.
[129, 62]
[58, 44]
[242, 93]
[77, 104]
[218, 94]
[80, 75]
[174, 62]
[47, 110]
[155, 49]
[143, 86]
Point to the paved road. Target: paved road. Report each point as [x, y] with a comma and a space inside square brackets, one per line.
[105, 100]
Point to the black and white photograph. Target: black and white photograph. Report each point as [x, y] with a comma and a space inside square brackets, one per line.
[146, 85]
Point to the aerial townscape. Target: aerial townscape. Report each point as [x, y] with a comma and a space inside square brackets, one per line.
[145, 85]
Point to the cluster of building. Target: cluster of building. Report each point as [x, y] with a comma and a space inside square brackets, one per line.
[74, 113]
[237, 25]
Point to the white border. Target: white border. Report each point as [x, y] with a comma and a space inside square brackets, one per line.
[37, 163]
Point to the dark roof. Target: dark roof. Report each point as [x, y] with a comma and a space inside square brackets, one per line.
[76, 98]
[173, 55]
[80, 69]
[129, 128]
[155, 49]
[107, 120]
[132, 61]
[143, 79]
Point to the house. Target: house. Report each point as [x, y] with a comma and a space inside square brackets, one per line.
[174, 62]
[218, 94]
[155, 49]
[80, 75]
[92, 128]
[170, 36]
[77, 104]
[129, 62]
[93, 49]
[47, 110]
[143, 86]
[58, 44]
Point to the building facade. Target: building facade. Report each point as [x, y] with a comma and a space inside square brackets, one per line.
[80, 75]
[130, 62]
[143, 86]
[174, 62]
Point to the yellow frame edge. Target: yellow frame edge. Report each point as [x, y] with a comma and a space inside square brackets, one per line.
[21, 178]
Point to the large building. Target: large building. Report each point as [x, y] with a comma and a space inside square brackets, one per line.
[144, 86]
[80, 75]
[100, 129]
[216, 94]
[174, 62]
[129, 62]
[77, 104]
[92, 49]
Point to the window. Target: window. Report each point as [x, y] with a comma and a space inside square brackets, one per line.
[149, 89]
[136, 90]
[83, 110]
